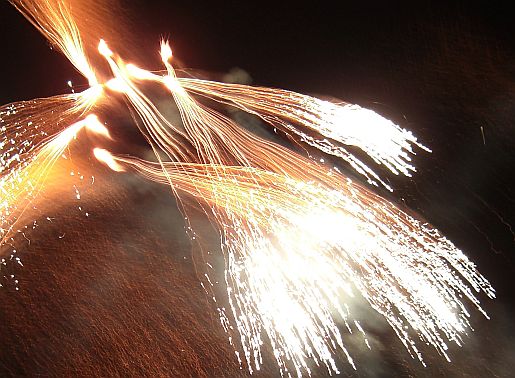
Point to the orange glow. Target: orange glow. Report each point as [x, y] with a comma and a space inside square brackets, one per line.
[104, 49]
[105, 157]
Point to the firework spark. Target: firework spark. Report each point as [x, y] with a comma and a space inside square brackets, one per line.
[299, 239]
[321, 124]
[296, 252]
[324, 125]
[28, 154]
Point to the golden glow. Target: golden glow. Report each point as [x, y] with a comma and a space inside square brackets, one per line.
[166, 52]
[117, 85]
[141, 74]
[95, 126]
[26, 171]
[104, 49]
[105, 157]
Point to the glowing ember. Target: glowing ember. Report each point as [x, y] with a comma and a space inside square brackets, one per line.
[105, 157]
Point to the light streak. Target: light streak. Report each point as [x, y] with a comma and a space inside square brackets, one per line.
[105, 157]
[26, 165]
[337, 124]
[54, 19]
[35, 133]
[324, 125]
[298, 239]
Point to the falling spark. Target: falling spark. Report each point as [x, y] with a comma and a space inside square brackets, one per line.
[335, 125]
[27, 167]
[299, 239]
[296, 253]
[105, 157]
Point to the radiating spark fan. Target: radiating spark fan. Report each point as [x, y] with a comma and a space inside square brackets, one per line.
[34, 136]
[296, 251]
[335, 125]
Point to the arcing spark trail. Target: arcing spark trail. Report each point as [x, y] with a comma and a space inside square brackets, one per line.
[298, 238]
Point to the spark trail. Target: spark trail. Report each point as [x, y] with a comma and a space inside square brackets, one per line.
[296, 252]
[298, 238]
[324, 125]
[34, 136]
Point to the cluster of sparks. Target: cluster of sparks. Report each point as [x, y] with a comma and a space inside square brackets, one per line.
[299, 239]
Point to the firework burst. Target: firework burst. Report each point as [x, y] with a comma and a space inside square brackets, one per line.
[298, 238]
[296, 252]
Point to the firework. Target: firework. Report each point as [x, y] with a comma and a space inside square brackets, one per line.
[296, 252]
[29, 151]
[35, 133]
[324, 125]
[327, 126]
[55, 20]
[299, 239]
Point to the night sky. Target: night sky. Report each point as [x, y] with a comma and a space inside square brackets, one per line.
[445, 71]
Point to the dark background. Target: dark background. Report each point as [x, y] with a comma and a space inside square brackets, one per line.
[444, 70]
